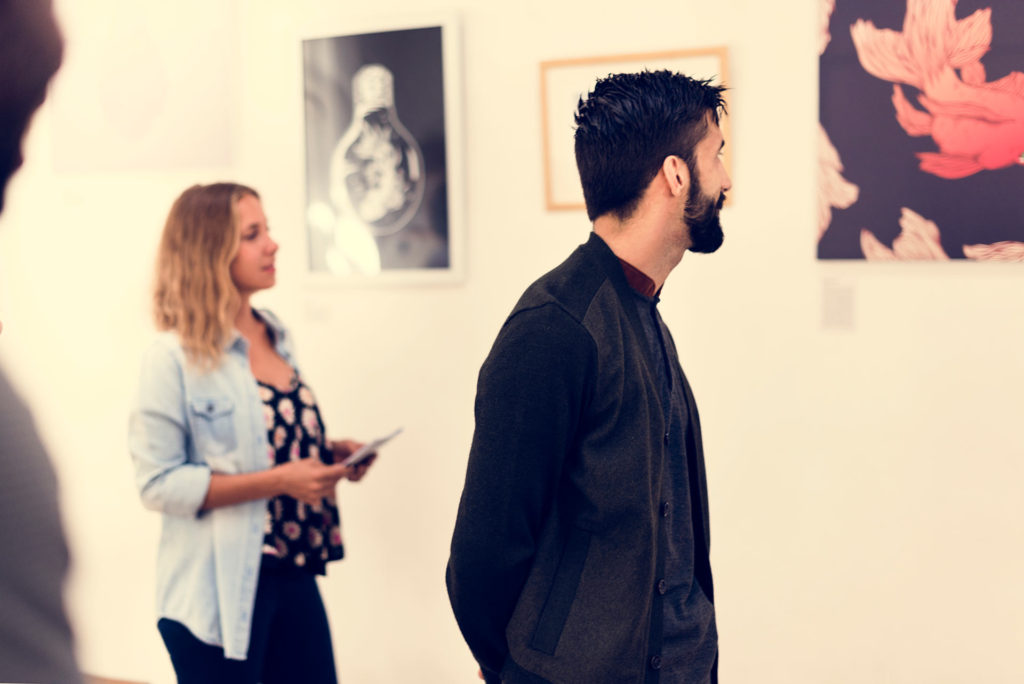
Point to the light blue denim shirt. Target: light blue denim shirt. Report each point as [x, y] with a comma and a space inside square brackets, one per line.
[185, 424]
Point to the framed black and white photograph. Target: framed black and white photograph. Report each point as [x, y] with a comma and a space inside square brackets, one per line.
[383, 164]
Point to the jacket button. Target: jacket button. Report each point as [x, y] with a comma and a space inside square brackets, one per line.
[666, 438]
[656, 662]
[666, 508]
[662, 587]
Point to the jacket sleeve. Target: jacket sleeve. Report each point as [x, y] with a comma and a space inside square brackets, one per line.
[158, 437]
[530, 395]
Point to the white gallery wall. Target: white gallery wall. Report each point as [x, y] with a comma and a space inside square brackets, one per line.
[862, 421]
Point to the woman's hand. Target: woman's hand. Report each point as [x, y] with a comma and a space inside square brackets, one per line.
[341, 448]
[310, 480]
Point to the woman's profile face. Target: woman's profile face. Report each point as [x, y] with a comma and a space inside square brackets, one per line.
[252, 269]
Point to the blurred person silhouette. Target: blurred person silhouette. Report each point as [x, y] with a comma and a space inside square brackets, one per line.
[35, 636]
[229, 446]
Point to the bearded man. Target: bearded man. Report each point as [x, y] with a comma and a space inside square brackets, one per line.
[581, 548]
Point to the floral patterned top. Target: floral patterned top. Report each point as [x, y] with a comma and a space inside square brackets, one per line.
[309, 536]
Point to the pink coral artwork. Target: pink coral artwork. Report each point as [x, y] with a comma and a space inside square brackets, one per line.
[922, 130]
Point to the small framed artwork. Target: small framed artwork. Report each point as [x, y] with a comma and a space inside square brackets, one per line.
[383, 159]
[565, 81]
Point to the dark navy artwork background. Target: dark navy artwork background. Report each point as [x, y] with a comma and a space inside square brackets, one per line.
[879, 157]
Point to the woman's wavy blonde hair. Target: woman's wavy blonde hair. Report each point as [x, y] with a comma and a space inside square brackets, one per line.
[194, 294]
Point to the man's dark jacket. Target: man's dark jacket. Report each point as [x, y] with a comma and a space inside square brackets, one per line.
[558, 547]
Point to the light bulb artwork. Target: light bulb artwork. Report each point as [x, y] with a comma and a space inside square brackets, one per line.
[379, 162]
[377, 174]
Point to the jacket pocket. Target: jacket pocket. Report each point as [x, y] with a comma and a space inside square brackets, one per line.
[213, 426]
[563, 592]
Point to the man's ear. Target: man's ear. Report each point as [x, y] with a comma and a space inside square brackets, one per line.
[677, 175]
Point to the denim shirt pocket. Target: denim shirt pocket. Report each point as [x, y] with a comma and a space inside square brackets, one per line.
[213, 428]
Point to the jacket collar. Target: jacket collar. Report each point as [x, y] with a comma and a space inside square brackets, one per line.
[237, 343]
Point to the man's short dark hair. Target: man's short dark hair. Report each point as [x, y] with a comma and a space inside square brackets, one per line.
[627, 126]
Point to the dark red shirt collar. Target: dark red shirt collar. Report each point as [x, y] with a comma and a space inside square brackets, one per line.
[638, 280]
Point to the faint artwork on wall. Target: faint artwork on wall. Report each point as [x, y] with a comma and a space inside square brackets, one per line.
[565, 81]
[132, 96]
[921, 140]
[381, 159]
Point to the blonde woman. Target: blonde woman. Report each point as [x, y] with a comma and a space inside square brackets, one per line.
[229, 446]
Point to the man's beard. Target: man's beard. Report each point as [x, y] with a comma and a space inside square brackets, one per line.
[702, 218]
